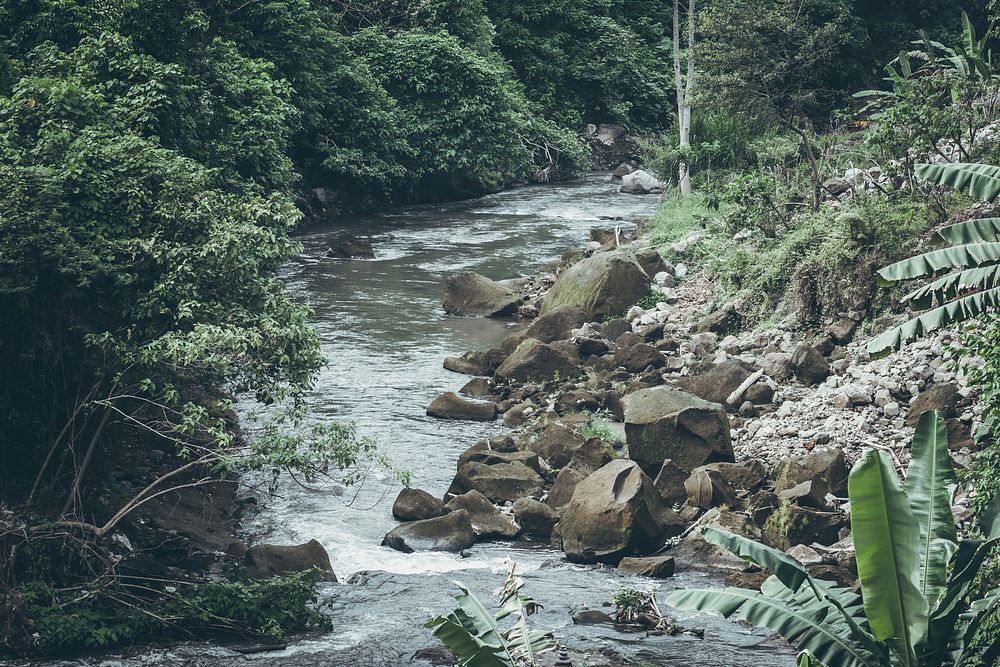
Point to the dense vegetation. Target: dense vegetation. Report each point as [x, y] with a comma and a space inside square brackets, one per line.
[155, 156]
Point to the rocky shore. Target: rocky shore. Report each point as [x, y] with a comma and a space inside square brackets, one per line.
[637, 414]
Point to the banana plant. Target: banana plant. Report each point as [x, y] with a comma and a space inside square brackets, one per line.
[473, 633]
[915, 609]
[965, 276]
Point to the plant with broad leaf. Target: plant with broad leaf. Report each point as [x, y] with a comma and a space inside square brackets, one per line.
[473, 634]
[917, 606]
[965, 276]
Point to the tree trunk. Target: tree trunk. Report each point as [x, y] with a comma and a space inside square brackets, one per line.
[684, 87]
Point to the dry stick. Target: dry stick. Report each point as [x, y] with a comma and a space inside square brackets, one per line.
[55, 443]
[75, 489]
[738, 392]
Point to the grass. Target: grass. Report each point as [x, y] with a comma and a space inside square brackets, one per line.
[599, 426]
[680, 217]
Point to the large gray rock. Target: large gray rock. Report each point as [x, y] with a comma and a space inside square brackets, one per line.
[565, 485]
[665, 423]
[468, 293]
[450, 405]
[501, 482]
[829, 465]
[808, 365]
[352, 247]
[556, 442]
[637, 358]
[943, 397]
[534, 360]
[416, 505]
[535, 518]
[641, 182]
[268, 560]
[716, 384]
[557, 324]
[670, 483]
[695, 553]
[603, 285]
[487, 520]
[614, 511]
[451, 532]
[470, 363]
[659, 567]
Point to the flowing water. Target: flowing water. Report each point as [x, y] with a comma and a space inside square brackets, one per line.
[385, 336]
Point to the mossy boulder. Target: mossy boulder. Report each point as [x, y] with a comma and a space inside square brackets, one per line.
[603, 285]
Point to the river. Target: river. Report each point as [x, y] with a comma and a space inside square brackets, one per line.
[385, 335]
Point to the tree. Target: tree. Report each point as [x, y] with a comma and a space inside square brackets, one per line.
[684, 86]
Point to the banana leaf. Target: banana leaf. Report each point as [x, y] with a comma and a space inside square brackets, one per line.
[952, 285]
[886, 535]
[981, 180]
[970, 231]
[966, 256]
[930, 487]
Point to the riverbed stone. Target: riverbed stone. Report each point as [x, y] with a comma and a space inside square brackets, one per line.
[476, 388]
[500, 482]
[268, 560]
[708, 488]
[557, 324]
[943, 397]
[615, 510]
[615, 328]
[470, 363]
[664, 423]
[556, 442]
[639, 357]
[487, 520]
[352, 247]
[718, 382]
[694, 552]
[535, 518]
[641, 182]
[450, 405]
[451, 532]
[537, 361]
[658, 567]
[827, 464]
[808, 365]
[566, 482]
[669, 483]
[603, 285]
[416, 505]
[468, 293]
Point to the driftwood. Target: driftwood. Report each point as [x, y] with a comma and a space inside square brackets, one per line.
[746, 384]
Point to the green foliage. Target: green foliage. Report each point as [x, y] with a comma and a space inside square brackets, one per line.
[599, 426]
[979, 356]
[113, 614]
[965, 283]
[917, 600]
[474, 635]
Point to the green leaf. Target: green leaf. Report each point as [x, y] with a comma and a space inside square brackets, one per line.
[969, 255]
[946, 288]
[981, 180]
[785, 568]
[472, 634]
[886, 535]
[970, 231]
[811, 626]
[950, 313]
[930, 487]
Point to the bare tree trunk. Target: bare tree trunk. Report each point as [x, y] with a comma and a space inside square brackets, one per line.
[684, 87]
[803, 133]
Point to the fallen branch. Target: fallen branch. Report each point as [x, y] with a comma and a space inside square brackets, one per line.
[746, 384]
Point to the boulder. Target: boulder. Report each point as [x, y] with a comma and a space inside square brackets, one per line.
[450, 405]
[652, 262]
[565, 485]
[716, 384]
[557, 442]
[603, 285]
[476, 388]
[794, 524]
[836, 186]
[639, 357]
[747, 475]
[592, 346]
[669, 483]
[808, 365]
[829, 465]
[624, 169]
[534, 360]
[470, 363]
[943, 397]
[535, 518]
[613, 329]
[468, 293]
[487, 520]
[777, 365]
[268, 560]
[641, 182]
[664, 423]
[557, 324]
[451, 532]
[482, 453]
[614, 511]
[722, 321]
[416, 505]
[695, 553]
[708, 488]
[500, 482]
[811, 493]
[659, 567]
[352, 247]
[842, 330]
